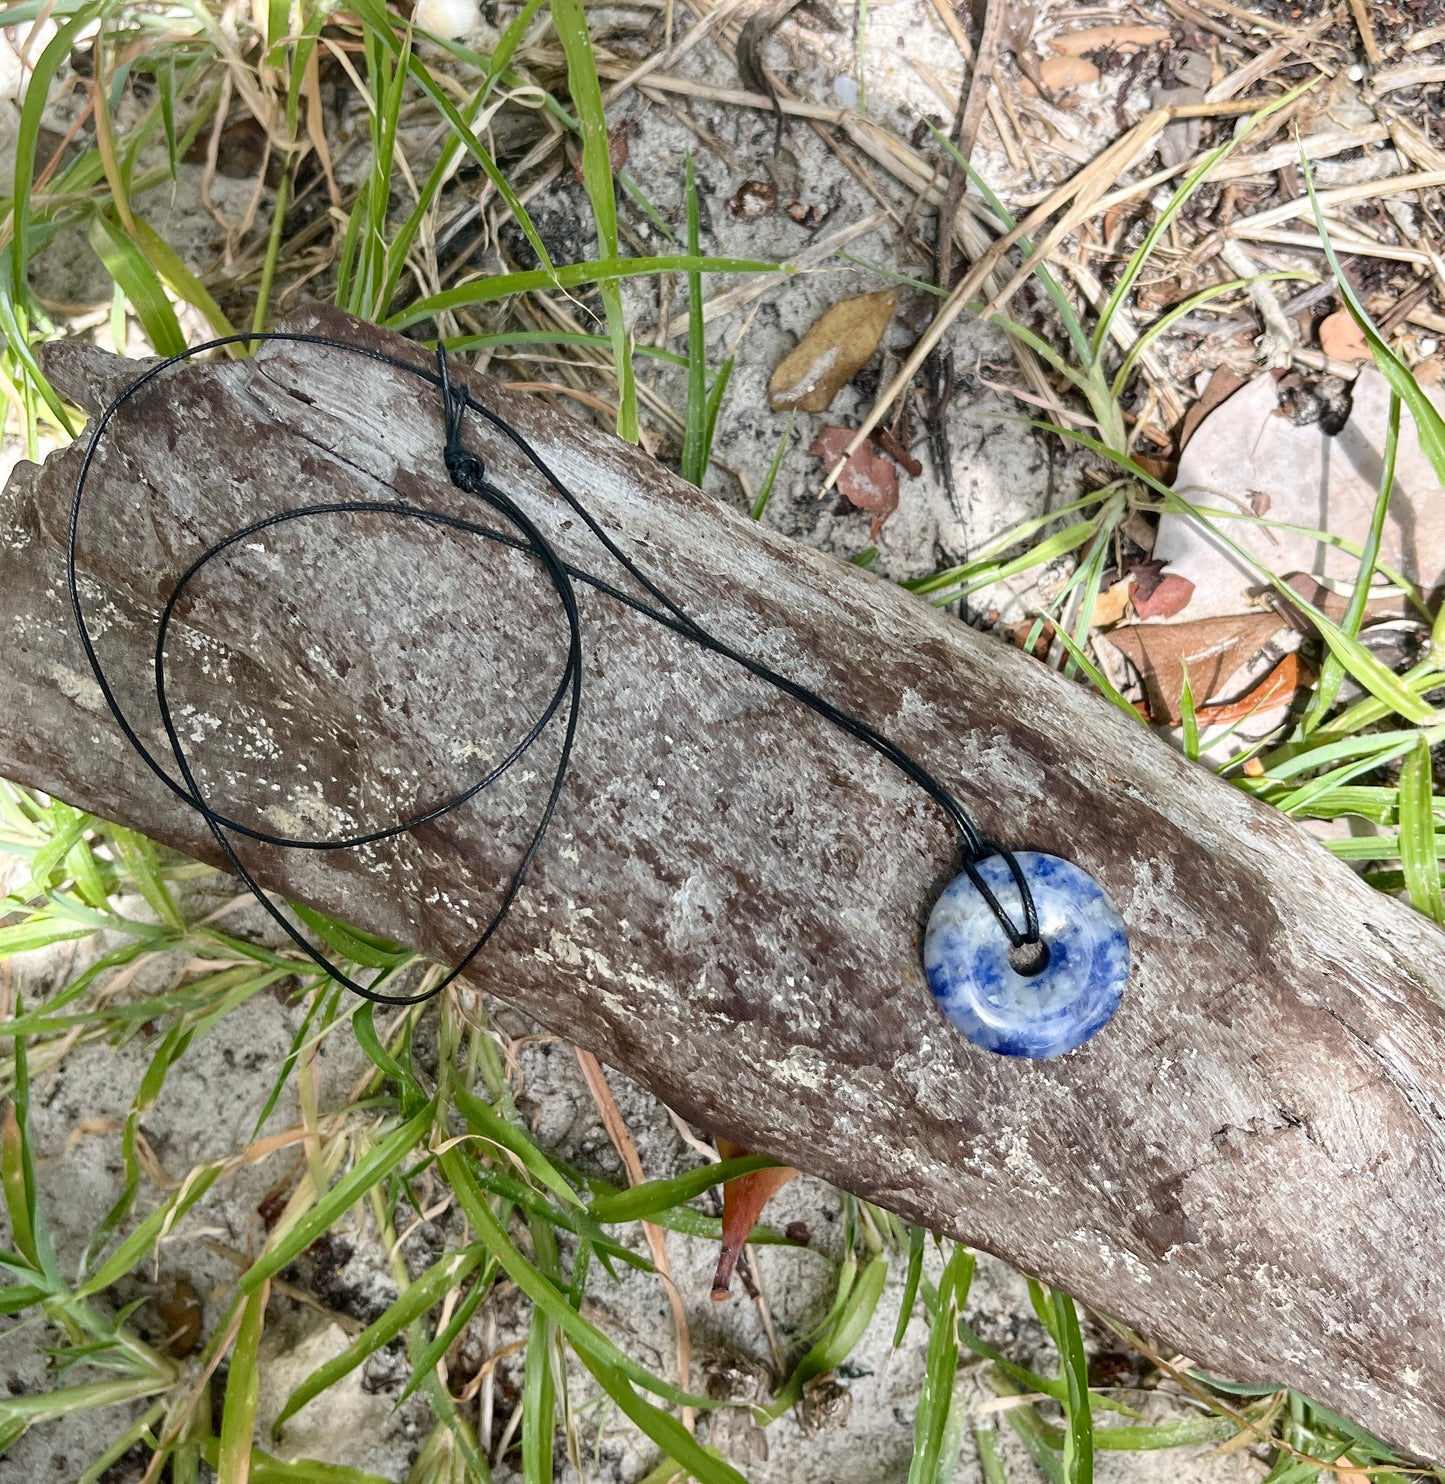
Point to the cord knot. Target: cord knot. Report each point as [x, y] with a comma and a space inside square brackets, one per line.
[465, 467]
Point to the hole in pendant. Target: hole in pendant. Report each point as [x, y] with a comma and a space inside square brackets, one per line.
[1029, 959]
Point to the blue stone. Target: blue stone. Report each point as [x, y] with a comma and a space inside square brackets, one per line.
[966, 958]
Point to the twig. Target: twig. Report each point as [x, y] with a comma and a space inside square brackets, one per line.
[617, 1131]
[1366, 28]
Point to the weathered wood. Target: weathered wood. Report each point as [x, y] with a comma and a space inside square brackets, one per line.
[1248, 1161]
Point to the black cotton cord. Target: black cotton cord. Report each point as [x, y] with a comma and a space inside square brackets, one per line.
[468, 473]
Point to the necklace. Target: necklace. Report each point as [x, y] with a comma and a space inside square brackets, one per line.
[1023, 952]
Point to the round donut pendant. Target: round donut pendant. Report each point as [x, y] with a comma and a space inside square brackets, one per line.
[1046, 1013]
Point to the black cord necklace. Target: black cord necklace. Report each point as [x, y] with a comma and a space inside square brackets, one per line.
[993, 879]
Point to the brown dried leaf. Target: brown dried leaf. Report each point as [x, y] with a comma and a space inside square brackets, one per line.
[1112, 604]
[1220, 387]
[840, 343]
[743, 1202]
[1342, 339]
[1278, 688]
[1171, 595]
[180, 1312]
[1389, 604]
[1059, 74]
[869, 481]
[1213, 648]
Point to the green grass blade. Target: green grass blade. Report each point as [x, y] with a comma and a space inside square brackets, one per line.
[716, 393]
[128, 267]
[1419, 848]
[693, 464]
[142, 1241]
[243, 1387]
[1188, 306]
[917, 1236]
[268, 1470]
[1429, 425]
[366, 949]
[664, 1430]
[654, 1196]
[178, 278]
[447, 1273]
[138, 856]
[377, 1165]
[841, 1340]
[1191, 183]
[765, 490]
[539, 1400]
[586, 1339]
[486, 1121]
[569, 21]
[373, 14]
[1188, 714]
[425, 1363]
[1332, 672]
[935, 1400]
[1079, 1437]
[571, 276]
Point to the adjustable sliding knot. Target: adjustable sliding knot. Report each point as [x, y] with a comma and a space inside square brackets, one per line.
[466, 468]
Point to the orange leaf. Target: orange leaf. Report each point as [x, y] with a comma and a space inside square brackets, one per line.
[743, 1202]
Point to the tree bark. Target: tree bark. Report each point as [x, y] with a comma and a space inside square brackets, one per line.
[729, 906]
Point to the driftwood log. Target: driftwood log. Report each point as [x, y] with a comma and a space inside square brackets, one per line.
[1248, 1161]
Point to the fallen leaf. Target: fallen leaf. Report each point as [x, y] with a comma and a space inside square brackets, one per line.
[1107, 38]
[1390, 603]
[743, 1202]
[840, 343]
[1147, 576]
[868, 481]
[1059, 74]
[1315, 481]
[1277, 688]
[1019, 638]
[1170, 596]
[1220, 387]
[180, 1312]
[1342, 339]
[1110, 606]
[1214, 649]
[895, 447]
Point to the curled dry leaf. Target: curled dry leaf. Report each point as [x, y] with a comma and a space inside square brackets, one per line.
[180, 1312]
[869, 481]
[1342, 339]
[1278, 688]
[1170, 595]
[1214, 649]
[840, 343]
[743, 1202]
[1059, 74]
[1112, 604]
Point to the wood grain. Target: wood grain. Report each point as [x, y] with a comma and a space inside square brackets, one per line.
[1246, 1163]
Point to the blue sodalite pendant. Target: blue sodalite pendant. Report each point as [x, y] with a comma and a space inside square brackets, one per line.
[966, 958]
